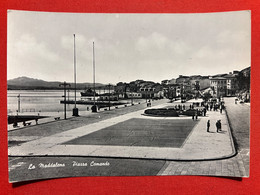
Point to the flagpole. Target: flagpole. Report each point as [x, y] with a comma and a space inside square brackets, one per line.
[94, 74]
[75, 110]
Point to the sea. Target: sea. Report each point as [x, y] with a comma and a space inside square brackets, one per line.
[42, 100]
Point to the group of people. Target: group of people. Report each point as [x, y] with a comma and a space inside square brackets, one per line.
[218, 125]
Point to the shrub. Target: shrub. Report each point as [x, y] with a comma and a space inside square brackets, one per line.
[161, 112]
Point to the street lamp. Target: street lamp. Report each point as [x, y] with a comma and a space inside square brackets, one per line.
[75, 109]
[109, 96]
[64, 84]
[19, 102]
[94, 107]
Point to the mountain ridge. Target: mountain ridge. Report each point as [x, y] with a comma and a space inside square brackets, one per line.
[24, 82]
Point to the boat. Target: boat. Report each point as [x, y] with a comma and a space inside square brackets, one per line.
[88, 93]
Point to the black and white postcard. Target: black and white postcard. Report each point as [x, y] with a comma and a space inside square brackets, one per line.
[94, 94]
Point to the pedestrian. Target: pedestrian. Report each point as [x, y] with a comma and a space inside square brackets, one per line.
[204, 111]
[208, 125]
[196, 115]
[220, 109]
[193, 117]
[217, 125]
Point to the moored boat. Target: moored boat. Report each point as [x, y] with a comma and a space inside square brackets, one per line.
[88, 93]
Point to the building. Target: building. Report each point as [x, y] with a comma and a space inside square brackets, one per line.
[134, 95]
[232, 84]
[246, 72]
[219, 86]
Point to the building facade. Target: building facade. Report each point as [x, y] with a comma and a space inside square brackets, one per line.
[219, 86]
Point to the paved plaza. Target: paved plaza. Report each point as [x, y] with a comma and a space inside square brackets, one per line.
[129, 135]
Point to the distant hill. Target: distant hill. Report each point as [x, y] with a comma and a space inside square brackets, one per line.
[31, 83]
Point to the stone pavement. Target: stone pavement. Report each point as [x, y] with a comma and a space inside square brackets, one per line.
[200, 145]
[237, 166]
[231, 167]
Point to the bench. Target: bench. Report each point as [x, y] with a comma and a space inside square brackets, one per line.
[25, 123]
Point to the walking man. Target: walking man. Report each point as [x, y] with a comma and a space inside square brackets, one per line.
[208, 125]
[196, 115]
[217, 125]
[204, 111]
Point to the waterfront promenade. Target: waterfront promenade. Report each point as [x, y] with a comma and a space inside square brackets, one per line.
[200, 152]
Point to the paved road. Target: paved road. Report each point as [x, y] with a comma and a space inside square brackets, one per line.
[29, 133]
[239, 116]
[237, 166]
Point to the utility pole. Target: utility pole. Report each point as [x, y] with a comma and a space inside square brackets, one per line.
[131, 96]
[19, 102]
[75, 109]
[109, 96]
[64, 84]
[94, 82]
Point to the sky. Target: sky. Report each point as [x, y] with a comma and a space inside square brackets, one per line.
[128, 47]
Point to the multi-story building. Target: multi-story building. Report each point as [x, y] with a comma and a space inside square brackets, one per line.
[232, 84]
[219, 86]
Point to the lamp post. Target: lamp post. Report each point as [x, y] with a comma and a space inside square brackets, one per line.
[94, 108]
[131, 96]
[109, 96]
[64, 84]
[19, 102]
[75, 109]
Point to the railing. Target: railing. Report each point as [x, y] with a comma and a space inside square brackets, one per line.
[28, 110]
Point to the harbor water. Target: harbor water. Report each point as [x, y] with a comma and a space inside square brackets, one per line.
[43, 100]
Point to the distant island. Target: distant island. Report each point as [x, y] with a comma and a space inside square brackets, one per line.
[26, 83]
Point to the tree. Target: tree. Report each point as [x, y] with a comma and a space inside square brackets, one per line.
[207, 96]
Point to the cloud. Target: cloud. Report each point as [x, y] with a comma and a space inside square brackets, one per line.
[67, 42]
[29, 47]
[31, 57]
[157, 44]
